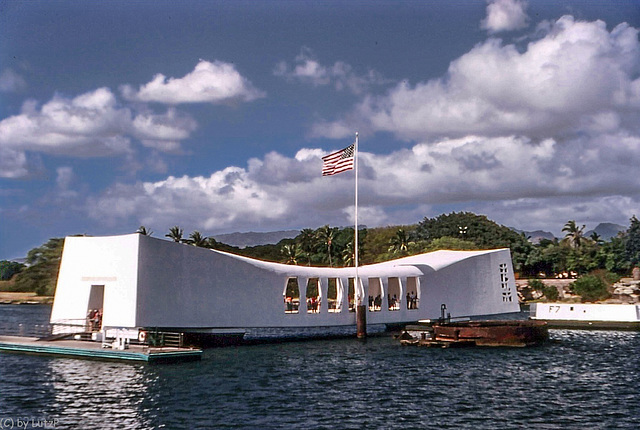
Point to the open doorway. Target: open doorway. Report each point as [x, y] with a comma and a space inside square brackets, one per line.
[314, 298]
[94, 308]
[351, 293]
[334, 295]
[394, 295]
[413, 292]
[375, 295]
[291, 296]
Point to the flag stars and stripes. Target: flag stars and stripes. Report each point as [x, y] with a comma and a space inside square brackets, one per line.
[339, 161]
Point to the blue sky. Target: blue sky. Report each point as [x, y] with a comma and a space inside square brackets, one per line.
[214, 115]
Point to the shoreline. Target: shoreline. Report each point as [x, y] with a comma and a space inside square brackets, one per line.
[20, 298]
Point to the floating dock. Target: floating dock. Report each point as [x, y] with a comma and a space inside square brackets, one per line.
[96, 350]
[592, 316]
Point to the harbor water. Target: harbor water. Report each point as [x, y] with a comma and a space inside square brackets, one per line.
[579, 380]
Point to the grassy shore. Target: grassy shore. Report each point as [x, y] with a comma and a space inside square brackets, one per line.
[16, 298]
[10, 297]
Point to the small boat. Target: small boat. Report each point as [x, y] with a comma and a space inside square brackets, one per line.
[518, 333]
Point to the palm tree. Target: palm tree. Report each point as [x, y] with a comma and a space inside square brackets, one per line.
[399, 244]
[597, 239]
[291, 253]
[326, 235]
[348, 255]
[197, 239]
[574, 234]
[175, 234]
[143, 230]
[306, 241]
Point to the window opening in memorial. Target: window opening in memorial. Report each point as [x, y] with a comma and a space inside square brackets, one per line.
[334, 295]
[313, 295]
[375, 295]
[352, 295]
[291, 296]
[504, 283]
[394, 295]
[413, 287]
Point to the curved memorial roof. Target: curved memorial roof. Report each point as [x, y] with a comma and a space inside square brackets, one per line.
[415, 264]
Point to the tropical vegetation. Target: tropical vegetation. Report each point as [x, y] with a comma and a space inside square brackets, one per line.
[40, 272]
[591, 288]
[575, 255]
[9, 268]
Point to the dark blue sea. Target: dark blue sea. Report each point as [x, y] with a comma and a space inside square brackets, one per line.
[580, 380]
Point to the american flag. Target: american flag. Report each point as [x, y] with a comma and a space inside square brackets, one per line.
[339, 161]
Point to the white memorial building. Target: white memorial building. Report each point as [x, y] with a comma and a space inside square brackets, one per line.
[138, 282]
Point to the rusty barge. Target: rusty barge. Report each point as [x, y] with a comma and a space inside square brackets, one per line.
[445, 334]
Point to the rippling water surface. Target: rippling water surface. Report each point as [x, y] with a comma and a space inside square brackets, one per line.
[581, 380]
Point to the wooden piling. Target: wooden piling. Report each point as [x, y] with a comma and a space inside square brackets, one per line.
[361, 321]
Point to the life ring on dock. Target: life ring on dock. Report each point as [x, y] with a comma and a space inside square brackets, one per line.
[142, 336]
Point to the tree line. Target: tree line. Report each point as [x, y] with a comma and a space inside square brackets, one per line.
[333, 246]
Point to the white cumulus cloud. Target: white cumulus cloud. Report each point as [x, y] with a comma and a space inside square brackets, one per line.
[227, 197]
[486, 174]
[578, 73]
[308, 69]
[163, 131]
[92, 124]
[13, 164]
[216, 82]
[505, 15]
[11, 81]
[65, 177]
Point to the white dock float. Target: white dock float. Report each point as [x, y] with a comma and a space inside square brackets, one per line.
[588, 315]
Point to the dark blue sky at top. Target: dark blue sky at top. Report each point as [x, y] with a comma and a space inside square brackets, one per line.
[68, 48]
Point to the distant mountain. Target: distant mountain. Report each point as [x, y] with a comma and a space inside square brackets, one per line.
[606, 230]
[242, 240]
[537, 235]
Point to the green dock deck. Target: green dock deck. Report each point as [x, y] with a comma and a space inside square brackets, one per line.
[95, 350]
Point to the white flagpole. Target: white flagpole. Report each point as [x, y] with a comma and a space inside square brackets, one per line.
[355, 155]
[361, 313]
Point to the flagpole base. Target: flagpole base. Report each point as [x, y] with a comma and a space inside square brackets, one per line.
[361, 321]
